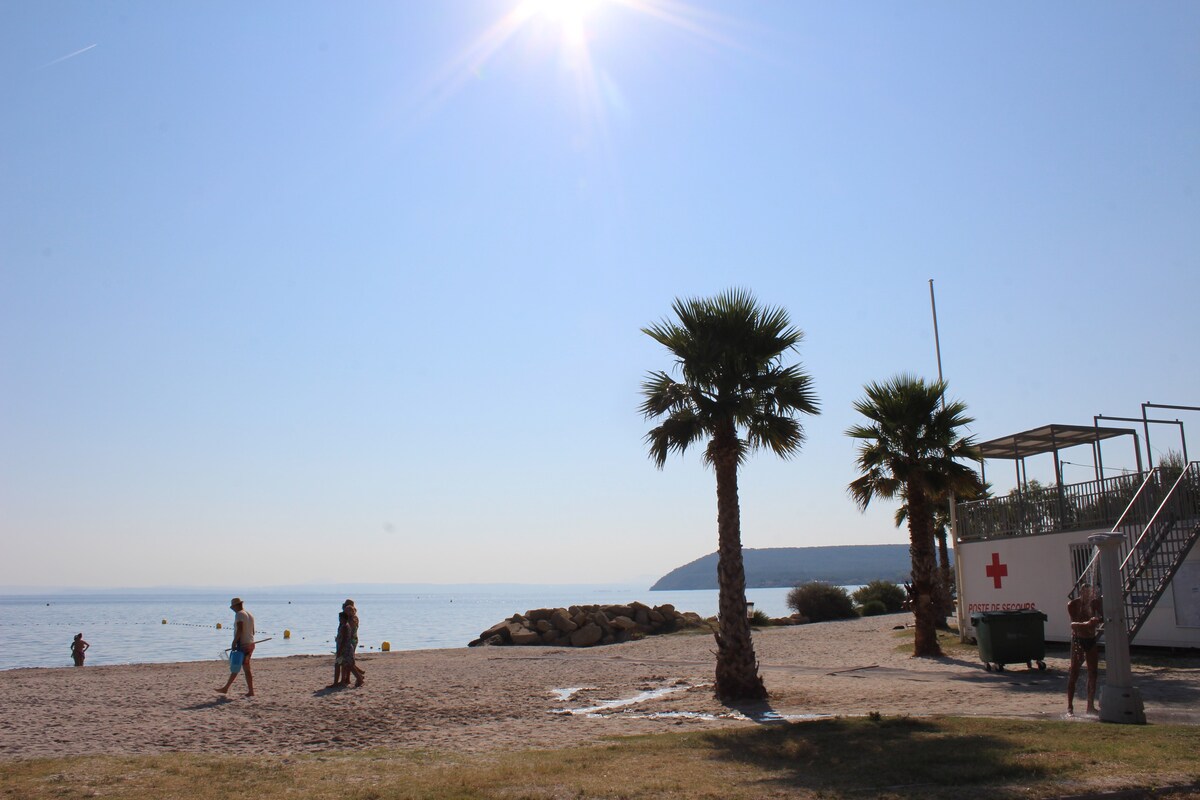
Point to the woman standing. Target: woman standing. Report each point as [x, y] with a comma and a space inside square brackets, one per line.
[348, 665]
[78, 648]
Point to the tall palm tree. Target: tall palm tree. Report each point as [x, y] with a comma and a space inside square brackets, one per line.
[909, 450]
[735, 393]
[943, 590]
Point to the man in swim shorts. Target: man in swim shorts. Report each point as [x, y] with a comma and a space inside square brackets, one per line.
[1087, 614]
[243, 641]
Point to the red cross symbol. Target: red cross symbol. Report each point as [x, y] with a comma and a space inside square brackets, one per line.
[996, 570]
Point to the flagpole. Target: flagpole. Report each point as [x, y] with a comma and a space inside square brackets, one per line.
[958, 606]
[937, 342]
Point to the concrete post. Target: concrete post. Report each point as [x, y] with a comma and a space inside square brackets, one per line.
[1119, 700]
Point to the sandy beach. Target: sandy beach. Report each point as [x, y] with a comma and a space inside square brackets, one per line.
[512, 698]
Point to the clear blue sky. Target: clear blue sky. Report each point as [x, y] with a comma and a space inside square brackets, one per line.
[301, 292]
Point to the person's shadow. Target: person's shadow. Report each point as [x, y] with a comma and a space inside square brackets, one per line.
[216, 701]
[327, 690]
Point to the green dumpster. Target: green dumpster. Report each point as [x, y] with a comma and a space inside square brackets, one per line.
[1010, 637]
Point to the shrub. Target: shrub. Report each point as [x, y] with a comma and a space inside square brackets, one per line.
[873, 608]
[760, 619]
[889, 594]
[821, 601]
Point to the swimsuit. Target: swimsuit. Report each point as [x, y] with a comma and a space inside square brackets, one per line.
[1085, 643]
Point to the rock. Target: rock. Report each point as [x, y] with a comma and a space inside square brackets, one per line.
[623, 623]
[538, 614]
[587, 636]
[579, 618]
[551, 636]
[560, 620]
[543, 625]
[666, 609]
[640, 615]
[525, 636]
[656, 617]
[499, 629]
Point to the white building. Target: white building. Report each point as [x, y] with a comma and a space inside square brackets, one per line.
[1029, 549]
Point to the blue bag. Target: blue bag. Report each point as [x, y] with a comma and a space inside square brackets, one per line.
[235, 662]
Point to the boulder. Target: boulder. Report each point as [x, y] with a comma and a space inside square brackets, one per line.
[656, 617]
[525, 636]
[587, 636]
[551, 636]
[623, 623]
[499, 629]
[641, 615]
[539, 614]
[560, 620]
[543, 625]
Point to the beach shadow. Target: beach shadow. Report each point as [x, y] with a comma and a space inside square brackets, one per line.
[898, 757]
[325, 691]
[216, 701]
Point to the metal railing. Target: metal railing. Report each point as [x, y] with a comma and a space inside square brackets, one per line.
[1071, 507]
[1161, 548]
[1132, 522]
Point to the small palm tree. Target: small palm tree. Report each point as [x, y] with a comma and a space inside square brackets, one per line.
[909, 450]
[736, 394]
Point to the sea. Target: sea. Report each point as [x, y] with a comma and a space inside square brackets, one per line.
[144, 627]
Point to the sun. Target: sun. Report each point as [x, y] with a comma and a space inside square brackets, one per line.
[568, 13]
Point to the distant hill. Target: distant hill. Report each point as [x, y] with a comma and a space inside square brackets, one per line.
[787, 566]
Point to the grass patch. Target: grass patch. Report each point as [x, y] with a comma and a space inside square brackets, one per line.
[949, 640]
[892, 757]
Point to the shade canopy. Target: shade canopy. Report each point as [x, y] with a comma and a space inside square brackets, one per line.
[1047, 439]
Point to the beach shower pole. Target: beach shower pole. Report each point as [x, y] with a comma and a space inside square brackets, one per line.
[1119, 700]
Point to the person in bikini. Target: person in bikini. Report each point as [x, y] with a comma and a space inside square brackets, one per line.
[78, 648]
[1087, 615]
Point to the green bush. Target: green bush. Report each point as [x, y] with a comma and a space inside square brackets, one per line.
[872, 608]
[889, 594]
[759, 619]
[821, 601]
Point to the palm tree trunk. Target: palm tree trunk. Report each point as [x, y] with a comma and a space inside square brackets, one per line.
[737, 668]
[924, 573]
[944, 601]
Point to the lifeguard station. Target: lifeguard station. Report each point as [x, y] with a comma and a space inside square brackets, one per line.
[1029, 548]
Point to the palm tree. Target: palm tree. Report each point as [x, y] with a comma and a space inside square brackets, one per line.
[909, 450]
[943, 594]
[735, 393]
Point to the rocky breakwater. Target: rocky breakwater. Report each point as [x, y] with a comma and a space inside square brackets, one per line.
[584, 626]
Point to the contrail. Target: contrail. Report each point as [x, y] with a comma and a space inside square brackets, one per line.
[68, 55]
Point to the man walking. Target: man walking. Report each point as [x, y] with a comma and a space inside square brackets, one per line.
[243, 642]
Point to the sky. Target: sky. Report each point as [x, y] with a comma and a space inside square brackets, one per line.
[307, 292]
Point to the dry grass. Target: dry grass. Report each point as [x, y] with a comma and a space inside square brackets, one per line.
[948, 639]
[840, 758]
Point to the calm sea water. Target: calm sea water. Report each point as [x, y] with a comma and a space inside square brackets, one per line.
[36, 630]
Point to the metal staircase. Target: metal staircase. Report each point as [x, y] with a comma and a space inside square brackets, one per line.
[1161, 524]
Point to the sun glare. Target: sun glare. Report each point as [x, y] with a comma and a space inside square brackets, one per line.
[576, 26]
[564, 12]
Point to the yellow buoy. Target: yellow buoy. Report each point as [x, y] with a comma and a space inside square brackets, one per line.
[218, 625]
[287, 634]
[164, 622]
[386, 647]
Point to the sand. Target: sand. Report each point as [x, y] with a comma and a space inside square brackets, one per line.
[512, 698]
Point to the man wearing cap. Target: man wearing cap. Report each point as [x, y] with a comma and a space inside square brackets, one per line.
[243, 641]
